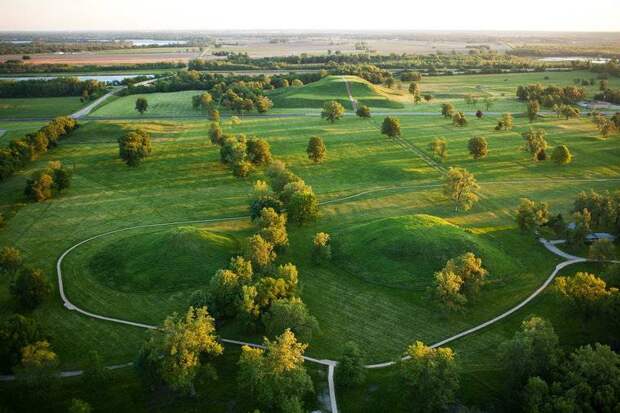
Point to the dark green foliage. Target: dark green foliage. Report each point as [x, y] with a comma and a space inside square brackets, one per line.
[363, 111]
[134, 146]
[478, 147]
[16, 332]
[258, 151]
[390, 127]
[142, 105]
[316, 149]
[292, 314]
[535, 144]
[350, 370]
[458, 119]
[11, 260]
[30, 288]
[332, 111]
[531, 215]
[447, 110]
[215, 133]
[61, 86]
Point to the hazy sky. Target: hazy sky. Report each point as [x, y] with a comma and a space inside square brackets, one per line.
[566, 15]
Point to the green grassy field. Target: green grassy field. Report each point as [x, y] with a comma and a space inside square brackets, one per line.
[374, 292]
[160, 104]
[17, 108]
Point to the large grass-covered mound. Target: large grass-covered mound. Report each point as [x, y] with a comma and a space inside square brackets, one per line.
[406, 251]
[315, 94]
[168, 260]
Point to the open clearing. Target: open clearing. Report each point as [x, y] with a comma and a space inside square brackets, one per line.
[16, 108]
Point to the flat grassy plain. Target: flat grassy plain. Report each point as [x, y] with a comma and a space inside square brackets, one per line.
[18, 108]
[156, 269]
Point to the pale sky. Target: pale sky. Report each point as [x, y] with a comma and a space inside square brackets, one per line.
[547, 15]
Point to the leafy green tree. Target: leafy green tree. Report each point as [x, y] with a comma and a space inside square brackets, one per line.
[460, 280]
[233, 150]
[60, 175]
[260, 252]
[458, 119]
[215, 133]
[363, 111]
[585, 292]
[142, 105]
[16, 332]
[439, 148]
[569, 111]
[275, 375]
[38, 370]
[429, 377]
[448, 290]
[582, 227]
[30, 288]
[461, 186]
[303, 206]
[214, 115]
[316, 149]
[350, 370]
[40, 186]
[290, 314]
[241, 169]
[391, 127]
[332, 111]
[536, 144]
[561, 155]
[79, 406]
[297, 83]
[414, 90]
[134, 146]
[505, 123]
[532, 215]
[259, 151]
[11, 260]
[478, 147]
[279, 176]
[202, 101]
[273, 227]
[602, 250]
[321, 247]
[533, 107]
[447, 110]
[533, 351]
[177, 351]
[263, 104]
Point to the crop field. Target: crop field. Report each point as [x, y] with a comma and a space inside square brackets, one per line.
[382, 203]
[18, 108]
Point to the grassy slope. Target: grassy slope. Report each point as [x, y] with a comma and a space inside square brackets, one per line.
[16, 108]
[182, 180]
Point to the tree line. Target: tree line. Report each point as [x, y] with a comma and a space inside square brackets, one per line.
[18, 66]
[22, 151]
[61, 86]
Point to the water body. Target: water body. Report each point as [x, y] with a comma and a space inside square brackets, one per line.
[598, 60]
[151, 42]
[100, 78]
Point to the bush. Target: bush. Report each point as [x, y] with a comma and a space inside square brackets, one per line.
[30, 288]
[134, 147]
[561, 155]
[321, 247]
[316, 149]
[363, 111]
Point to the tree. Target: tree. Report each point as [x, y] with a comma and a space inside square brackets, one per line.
[215, 133]
[428, 97]
[603, 85]
[241, 169]
[16, 332]
[531, 214]
[96, 377]
[414, 90]
[458, 119]
[447, 110]
[602, 250]
[258, 151]
[585, 291]
[316, 149]
[582, 226]
[321, 247]
[391, 127]
[536, 144]
[142, 105]
[460, 280]
[30, 288]
[533, 351]
[332, 111]
[202, 101]
[79, 406]
[259, 251]
[263, 104]
[290, 314]
[478, 147]
[350, 370]
[461, 186]
[273, 227]
[38, 371]
[569, 111]
[561, 155]
[11, 260]
[297, 83]
[214, 115]
[533, 107]
[429, 377]
[303, 206]
[505, 123]
[177, 351]
[61, 176]
[275, 375]
[40, 186]
[448, 290]
[134, 146]
[439, 148]
[363, 111]
[479, 114]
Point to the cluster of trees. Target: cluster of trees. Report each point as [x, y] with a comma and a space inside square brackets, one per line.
[505, 123]
[21, 151]
[536, 145]
[62, 86]
[45, 183]
[460, 280]
[548, 379]
[609, 95]
[134, 146]
[606, 126]
[239, 152]
[15, 67]
[28, 286]
[550, 95]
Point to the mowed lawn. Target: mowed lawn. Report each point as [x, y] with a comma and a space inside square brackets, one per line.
[183, 180]
[160, 104]
[19, 108]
